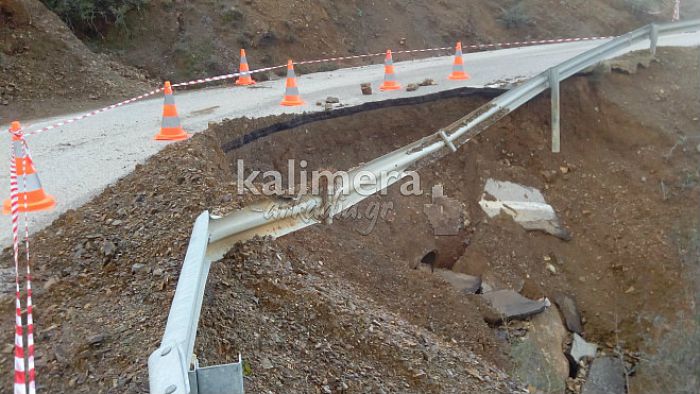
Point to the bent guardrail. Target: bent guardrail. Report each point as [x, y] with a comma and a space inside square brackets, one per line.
[171, 368]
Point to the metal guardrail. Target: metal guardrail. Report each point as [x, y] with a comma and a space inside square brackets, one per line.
[171, 368]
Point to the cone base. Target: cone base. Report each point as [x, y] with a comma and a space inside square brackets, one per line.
[44, 204]
[241, 82]
[172, 137]
[291, 102]
[390, 86]
[459, 76]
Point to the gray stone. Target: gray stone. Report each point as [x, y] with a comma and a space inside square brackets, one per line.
[580, 349]
[411, 87]
[538, 357]
[266, 363]
[606, 376]
[97, 340]
[137, 267]
[462, 282]
[332, 100]
[569, 310]
[512, 305]
[366, 88]
[526, 205]
[109, 248]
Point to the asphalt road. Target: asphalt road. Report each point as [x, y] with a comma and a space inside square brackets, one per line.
[79, 160]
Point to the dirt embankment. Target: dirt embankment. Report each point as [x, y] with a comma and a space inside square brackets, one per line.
[178, 40]
[329, 308]
[45, 69]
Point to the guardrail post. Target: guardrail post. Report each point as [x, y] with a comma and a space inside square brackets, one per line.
[653, 38]
[556, 117]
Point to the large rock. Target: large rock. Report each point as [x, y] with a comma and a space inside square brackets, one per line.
[569, 310]
[538, 357]
[462, 282]
[511, 305]
[606, 376]
[580, 349]
[526, 205]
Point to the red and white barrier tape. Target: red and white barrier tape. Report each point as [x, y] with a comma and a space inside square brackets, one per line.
[473, 46]
[25, 376]
[332, 59]
[93, 113]
[350, 57]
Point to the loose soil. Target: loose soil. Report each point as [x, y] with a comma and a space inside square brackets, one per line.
[328, 309]
[46, 70]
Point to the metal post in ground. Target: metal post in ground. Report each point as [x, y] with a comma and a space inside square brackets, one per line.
[556, 117]
[654, 38]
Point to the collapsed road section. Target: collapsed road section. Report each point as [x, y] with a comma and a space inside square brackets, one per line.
[623, 186]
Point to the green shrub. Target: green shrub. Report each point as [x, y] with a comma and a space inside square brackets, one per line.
[646, 6]
[515, 16]
[91, 17]
[232, 14]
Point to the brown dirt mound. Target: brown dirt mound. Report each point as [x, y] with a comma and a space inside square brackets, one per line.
[105, 273]
[41, 60]
[305, 329]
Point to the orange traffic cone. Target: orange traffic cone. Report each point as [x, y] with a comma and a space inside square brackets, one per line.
[245, 78]
[291, 94]
[458, 65]
[389, 77]
[170, 129]
[31, 195]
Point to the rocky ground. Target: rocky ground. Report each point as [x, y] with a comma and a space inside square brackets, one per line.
[106, 272]
[318, 332]
[337, 309]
